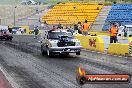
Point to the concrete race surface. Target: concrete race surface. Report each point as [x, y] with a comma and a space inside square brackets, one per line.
[22, 60]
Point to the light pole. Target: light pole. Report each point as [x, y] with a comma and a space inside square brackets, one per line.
[15, 15]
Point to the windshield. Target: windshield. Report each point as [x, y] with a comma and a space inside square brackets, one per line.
[55, 35]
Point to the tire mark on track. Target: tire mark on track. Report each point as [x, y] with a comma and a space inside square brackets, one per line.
[96, 64]
[26, 80]
[30, 49]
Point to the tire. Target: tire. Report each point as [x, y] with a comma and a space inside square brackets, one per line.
[130, 35]
[7, 39]
[77, 53]
[42, 51]
[10, 38]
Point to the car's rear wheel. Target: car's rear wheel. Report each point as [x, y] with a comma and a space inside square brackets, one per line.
[7, 39]
[10, 38]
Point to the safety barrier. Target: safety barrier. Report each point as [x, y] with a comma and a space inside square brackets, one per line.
[130, 39]
[91, 42]
[100, 33]
[119, 49]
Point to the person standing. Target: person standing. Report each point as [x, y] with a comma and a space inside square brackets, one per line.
[85, 30]
[113, 33]
[125, 31]
[9, 29]
[36, 31]
[75, 28]
[37, 10]
[44, 27]
[22, 30]
[60, 26]
[79, 28]
[70, 29]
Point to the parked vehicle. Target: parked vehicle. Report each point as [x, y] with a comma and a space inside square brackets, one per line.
[5, 36]
[129, 30]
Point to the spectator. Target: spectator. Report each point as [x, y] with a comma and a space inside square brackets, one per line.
[36, 8]
[79, 28]
[14, 31]
[22, 30]
[76, 28]
[44, 26]
[113, 33]
[60, 26]
[85, 30]
[36, 31]
[125, 31]
[9, 29]
[70, 29]
[54, 28]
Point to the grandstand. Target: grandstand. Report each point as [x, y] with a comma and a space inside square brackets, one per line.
[119, 13]
[69, 13]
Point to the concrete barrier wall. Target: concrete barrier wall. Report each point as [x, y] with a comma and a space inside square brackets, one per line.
[100, 33]
[119, 49]
[97, 43]
[91, 42]
[130, 39]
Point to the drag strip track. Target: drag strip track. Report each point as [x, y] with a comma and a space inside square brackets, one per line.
[32, 70]
[111, 67]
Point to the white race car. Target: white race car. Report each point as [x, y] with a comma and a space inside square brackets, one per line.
[59, 42]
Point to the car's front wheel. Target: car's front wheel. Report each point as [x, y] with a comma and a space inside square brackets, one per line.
[42, 51]
[10, 38]
[77, 53]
